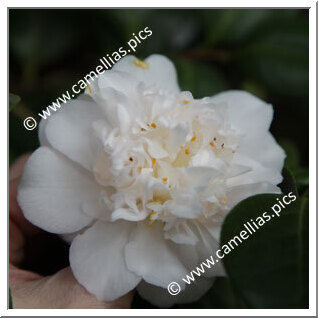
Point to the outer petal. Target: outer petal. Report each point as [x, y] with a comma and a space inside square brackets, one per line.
[180, 233]
[149, 255]
[97, 260]
[70, 130]
[247, 112]
[41, 132]
[238, 193]
[160, 296]
[207, 246]
[263, 148]
[52, 191]
[158, 70]
[258, 172]
[252, 117]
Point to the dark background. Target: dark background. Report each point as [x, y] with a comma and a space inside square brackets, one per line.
[262, 51]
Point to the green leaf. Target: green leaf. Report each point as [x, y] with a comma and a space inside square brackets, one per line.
[270, 268]
[13, 100]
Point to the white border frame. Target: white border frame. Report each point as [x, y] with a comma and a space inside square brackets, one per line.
[159, 312]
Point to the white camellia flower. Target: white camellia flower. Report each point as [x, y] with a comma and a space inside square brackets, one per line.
[140, 176]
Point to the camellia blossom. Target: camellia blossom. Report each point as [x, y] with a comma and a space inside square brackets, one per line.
[138, 176]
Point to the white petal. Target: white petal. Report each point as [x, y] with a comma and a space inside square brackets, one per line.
[155, 206]
[176, 138]
[185, 204]
[52, 191]
[252, 117]
[180, 233]
[160, 71]
[96, 209]
[160, 297]
[123, 118]
[241, 192]
[199, 176]
[149, 255]
[207, 247]
[235, 170]
[257, 173]
[117, 106]
[69, 237]
[247, 113]
[206, 158]
[188, 255]
[155, 150]
[42, 137]
[263, 148]
[128, 214]
[116, 80]
[70, 130]
[97, 260]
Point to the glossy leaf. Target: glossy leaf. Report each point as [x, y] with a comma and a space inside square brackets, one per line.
[270, 268]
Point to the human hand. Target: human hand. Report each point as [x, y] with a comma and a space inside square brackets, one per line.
[30, 289]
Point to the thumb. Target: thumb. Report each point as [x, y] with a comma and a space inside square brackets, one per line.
[61, 290]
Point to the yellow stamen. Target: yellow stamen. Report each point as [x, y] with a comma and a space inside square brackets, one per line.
[224, 200]
[164, 179]
[89, 89]
[142, 64]
[153, 125]
[139, 169]
[186, 101]
[142, 129]
[153, 162]
[212, 144]
[151, 219]
[186, 151]
[193, 138]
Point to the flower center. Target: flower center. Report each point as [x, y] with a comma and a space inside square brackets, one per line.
[174, 154]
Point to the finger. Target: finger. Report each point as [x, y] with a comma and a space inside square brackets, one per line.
[17, 166]
[61, 291]
[18, 277]
[19, 227]
[15, 212]
[16, 244]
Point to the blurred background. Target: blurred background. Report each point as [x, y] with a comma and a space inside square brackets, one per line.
[262, 51]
